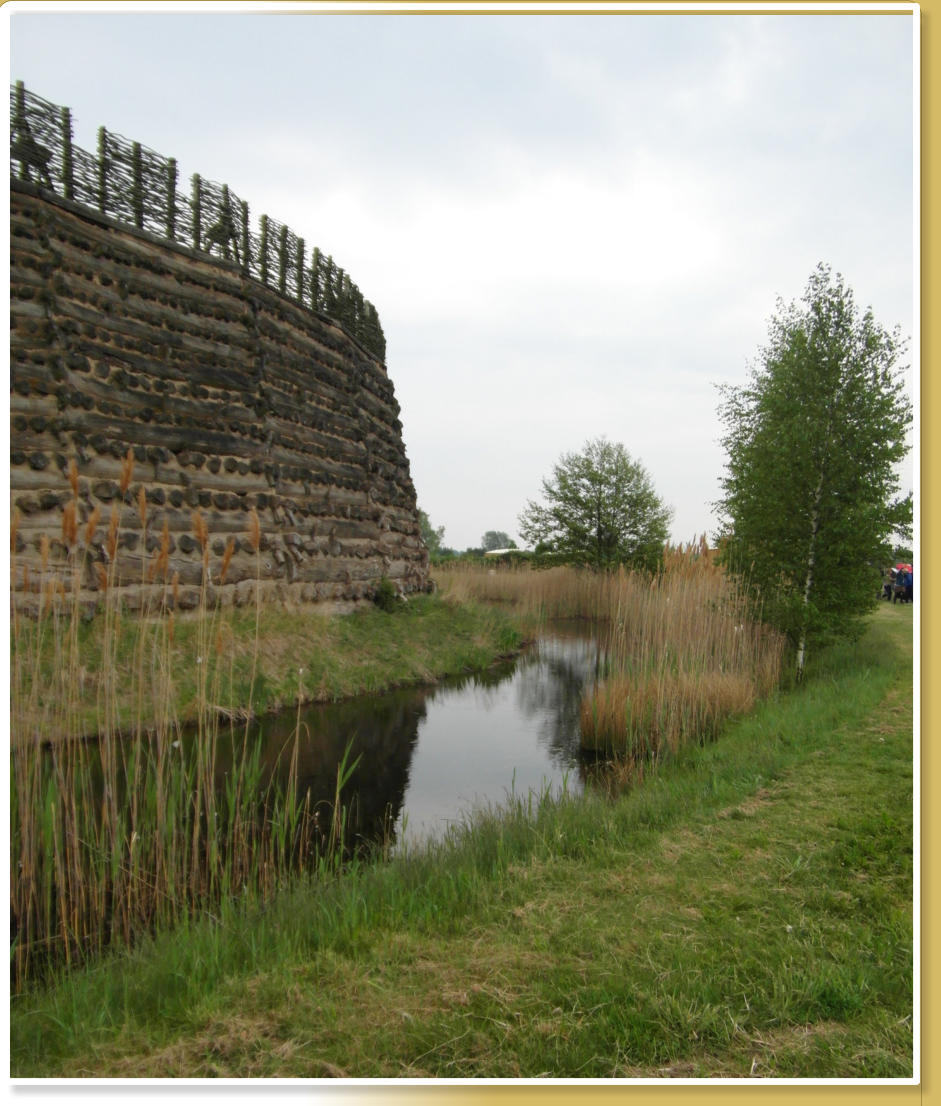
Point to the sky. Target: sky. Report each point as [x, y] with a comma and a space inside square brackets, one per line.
[573, 225]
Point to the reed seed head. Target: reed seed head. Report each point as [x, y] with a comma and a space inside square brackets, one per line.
[127, 471]
[73, 476]
[112, 544]
[162, 561]
[200, 529]
[92, 525]
[69, 523]
[254, 530]
[142, 505]
[102, 576]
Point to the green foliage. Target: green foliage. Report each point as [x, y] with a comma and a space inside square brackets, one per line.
[386, 596]
[430, 536]
[496, 539]
[811, 489]
[601, 510]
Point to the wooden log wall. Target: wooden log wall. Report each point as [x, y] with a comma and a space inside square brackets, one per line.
[233, 400]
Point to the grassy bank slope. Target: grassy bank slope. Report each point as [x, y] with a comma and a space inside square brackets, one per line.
[746, 911]
[264, 660]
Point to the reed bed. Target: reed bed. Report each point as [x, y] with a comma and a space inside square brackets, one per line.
[137, 827]
[683, 651]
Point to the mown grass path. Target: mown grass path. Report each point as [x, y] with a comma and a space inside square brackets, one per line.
[746, 912]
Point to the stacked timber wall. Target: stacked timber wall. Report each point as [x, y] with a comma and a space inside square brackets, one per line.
[236, 401]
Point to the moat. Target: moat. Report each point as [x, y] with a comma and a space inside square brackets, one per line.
[429, 756]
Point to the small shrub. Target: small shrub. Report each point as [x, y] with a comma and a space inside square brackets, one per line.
[386, 596]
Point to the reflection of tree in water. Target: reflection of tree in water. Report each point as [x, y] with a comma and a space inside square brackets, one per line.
[380, 730]
[483, 683]
[550, 685]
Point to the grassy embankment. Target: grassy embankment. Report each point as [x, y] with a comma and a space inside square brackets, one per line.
[298, 655]
[133, 832]
[746, 911]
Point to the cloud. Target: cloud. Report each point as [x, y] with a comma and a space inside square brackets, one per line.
[570, 225]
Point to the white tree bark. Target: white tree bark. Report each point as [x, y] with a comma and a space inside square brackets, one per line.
[809, 580]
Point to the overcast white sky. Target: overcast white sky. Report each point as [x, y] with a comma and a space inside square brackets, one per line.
[572, 225]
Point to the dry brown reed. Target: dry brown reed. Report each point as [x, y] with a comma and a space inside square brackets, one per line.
[73, 476]
[140, 827]
[683, 653]
[92, 524]
[254, 530]
[70, 523]
[226, 559]
[127, 471]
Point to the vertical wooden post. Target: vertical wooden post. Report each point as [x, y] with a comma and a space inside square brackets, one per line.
[225, 220]
[102, 169]
[171, 198]
[329, 288]
[315, 280]
[20, 120]
[357, 312]
[68, 168]
[264, 249]
[137, 185]
[246, 241]
[197, 212]
[282, 259]
[345, 302]
[300, 270]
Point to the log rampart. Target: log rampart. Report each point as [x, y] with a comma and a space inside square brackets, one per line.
[237, 398]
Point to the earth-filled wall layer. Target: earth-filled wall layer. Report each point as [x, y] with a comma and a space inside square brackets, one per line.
[237, 404]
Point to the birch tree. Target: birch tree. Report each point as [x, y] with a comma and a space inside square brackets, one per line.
[811, 489]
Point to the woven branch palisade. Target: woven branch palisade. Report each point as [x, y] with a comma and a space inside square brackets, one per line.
[136, 186]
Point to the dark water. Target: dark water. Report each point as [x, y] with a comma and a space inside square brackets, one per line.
[429, 756]
[425, 758]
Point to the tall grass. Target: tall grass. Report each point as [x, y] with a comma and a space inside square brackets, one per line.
[138, 826]
[683, 652]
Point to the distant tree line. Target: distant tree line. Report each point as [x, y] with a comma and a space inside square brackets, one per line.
[136, 186]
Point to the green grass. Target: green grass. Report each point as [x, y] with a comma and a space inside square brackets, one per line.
[300, 653]
[746, 910]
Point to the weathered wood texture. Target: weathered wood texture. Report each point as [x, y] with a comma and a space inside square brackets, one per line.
[232, 398]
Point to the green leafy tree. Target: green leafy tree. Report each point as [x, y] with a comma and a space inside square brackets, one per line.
[811, 499]
[496, 539]
[430, 536]
[600, 509]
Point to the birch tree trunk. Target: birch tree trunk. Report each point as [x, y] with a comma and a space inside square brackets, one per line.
[809, 579]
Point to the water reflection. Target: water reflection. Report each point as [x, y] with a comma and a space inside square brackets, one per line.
[550, 687]
[429, 756]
